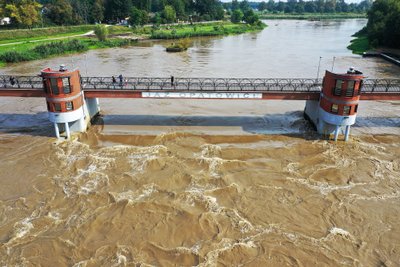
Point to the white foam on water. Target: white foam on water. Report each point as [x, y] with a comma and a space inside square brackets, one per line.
[22, 228]
[211, 258]
[56, 216]
[197, 195]
[322, 187]
[140, 158]
[393, 195]
[81, 263]
[136, 196]
[210, 150]
[339, 231]
[195, 249]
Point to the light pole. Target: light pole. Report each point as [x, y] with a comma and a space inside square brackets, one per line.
[333, 63]
[319, 65]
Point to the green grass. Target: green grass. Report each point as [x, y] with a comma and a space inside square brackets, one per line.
[27, 34]
[41, 38]
[113, 30]
[212, 29]
[312, 16]
[30, 51]
[359, 45]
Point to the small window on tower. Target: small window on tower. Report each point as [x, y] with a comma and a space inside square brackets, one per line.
[54, 86]
[66, 86]
[57, 106]
[350, 88]
[360, 87]
[69, 106]
[335, 108]
[346, 110]
[338, 88]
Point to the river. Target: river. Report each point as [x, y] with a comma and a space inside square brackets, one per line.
[204, 183]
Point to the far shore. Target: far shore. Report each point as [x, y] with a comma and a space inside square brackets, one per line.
[26, 45]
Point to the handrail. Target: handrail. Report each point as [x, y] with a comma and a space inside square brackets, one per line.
[289, 85]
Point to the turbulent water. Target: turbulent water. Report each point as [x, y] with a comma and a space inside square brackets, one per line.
[179, 199]
[204, 183]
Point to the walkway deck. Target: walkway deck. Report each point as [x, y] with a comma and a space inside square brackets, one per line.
[134, 87]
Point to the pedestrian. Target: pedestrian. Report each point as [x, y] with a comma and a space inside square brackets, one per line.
[12, 80]
[172, 80]
[113, 79]
[121, 80]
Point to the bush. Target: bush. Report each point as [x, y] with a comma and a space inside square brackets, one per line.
[101, 32]
[58, 48]
[14, 56]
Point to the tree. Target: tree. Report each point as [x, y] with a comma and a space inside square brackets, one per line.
[25, 12]
[235, 5]
[138, 17]
[244, 5]
[271, 5]
[169, 14]
[310, 7]
[330, 6]
[383, 27]
[98, 11]
[117, 10]
[237, 16]
[249, 17]
[262, 6]
[60, 12]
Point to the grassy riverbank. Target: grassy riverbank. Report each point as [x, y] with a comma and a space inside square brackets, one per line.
[24, 45]
[211, 29]
[360, 44]
[312, 16]
[24, 35]
[28, 52]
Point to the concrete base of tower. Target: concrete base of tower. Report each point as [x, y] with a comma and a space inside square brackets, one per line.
[93, 106]
[327, 124]
[67, 123]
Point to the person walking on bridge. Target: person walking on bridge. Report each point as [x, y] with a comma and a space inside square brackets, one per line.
[121, 80]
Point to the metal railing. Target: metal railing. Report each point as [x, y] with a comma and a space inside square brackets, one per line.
[21, 82]
[380, 86]
[201, 84]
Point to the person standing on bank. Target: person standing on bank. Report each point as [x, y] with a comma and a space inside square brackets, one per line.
[172, 80]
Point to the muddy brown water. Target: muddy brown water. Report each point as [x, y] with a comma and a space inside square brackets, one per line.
[202, 183]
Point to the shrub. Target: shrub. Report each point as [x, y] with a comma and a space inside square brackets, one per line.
[101, 32]
[14, 56]
[56, 48]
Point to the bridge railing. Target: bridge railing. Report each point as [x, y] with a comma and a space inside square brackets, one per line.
[380, 86]
[21, 82]
[203, 84]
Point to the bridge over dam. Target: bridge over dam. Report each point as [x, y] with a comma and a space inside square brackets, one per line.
[72, 100]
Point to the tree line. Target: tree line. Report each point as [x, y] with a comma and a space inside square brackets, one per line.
[29, 13]
[383, 27]
[300, 6]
